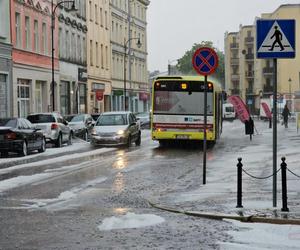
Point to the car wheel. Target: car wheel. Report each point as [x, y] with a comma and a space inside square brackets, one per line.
[70, 141]
[58, 142]
[85, 136]
[129, 141]
[24, 150]
[4, 154]
[43, 146]
[138, 140]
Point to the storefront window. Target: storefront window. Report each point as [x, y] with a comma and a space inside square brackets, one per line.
[64, 98]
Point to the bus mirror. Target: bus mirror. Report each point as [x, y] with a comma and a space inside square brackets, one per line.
[224, 94]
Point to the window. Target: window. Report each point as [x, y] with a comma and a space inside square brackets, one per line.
[97, 54]
[36, 36]
[61, 44]
[18, 29]
[79, 48]
[73, 47]
[102, 63]
[106, 57]
[84, 49]
[27, 32]
[38, 97]
[106, 20]
[44, 39]
[101, 17]
[96, 14]
[67, 51]
[91, 10]
[91, 53]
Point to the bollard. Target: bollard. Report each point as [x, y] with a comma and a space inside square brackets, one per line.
[239, 183]
[270, 123]
[284, 186]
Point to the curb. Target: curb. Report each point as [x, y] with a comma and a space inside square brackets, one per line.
[215, 216]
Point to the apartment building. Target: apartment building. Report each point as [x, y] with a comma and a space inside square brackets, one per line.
[252, 78]
[72, 90]
[31, 54]
[98, 56]
[5, 61]
[129, 55]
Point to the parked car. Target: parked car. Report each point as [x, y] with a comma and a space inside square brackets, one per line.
[82, 125]
[68, 118]
[55, 128]
[20, 136]
[95, 116]
[144, 119]
[116, 128]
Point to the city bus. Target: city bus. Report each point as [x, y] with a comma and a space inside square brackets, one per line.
[178, 109]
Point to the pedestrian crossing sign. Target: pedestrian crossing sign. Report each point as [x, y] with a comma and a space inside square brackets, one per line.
[275, 38]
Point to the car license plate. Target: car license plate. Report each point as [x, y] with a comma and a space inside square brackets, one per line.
[182, 136]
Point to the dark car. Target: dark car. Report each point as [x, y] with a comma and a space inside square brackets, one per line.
[82, 125]
[20, 136]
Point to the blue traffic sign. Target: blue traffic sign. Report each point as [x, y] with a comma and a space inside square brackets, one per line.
[205, 61]
[275, 38]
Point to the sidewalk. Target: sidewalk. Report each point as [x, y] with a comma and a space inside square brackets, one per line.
[219, 195]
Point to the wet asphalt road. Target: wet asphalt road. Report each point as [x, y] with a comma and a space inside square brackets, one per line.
[64, 205]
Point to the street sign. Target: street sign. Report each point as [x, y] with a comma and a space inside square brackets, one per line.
[275, 38]
[205, 61]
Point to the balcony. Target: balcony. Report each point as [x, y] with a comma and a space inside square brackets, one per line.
[235, 77]
[249, 74]
[268, 70]
[268, 89]
[234, 45]
[249, 39]
[235, 91]
[249, 56]
[234, 61]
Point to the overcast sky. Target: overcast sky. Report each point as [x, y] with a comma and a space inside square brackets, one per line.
[175, 25]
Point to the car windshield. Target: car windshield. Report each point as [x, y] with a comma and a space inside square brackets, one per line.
[110, 120]
[12, 123]
[78, 118]
[41, 118]
[68, 117]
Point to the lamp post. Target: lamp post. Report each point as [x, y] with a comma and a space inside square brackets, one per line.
[139, 44]
[53, 9]
[290, 92]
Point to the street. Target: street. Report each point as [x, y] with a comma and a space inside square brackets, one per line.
[98, 198]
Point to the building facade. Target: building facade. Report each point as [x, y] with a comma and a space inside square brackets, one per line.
[73, 89]
[98, 56]
[30, 29]
[252, 78]
[128, 57]
[6, 88]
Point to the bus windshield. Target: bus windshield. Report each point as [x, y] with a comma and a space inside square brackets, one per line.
[173, 102]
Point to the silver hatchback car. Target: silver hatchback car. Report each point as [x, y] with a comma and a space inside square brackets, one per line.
[116, 128]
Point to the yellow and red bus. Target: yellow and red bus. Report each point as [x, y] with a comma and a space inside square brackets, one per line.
[178, 109]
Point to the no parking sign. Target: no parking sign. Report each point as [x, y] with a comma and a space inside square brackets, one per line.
[205, 61]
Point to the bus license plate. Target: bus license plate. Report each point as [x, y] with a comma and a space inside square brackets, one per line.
[182, 136]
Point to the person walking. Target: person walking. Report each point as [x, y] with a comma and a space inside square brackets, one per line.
[285, 114]
[278, 37]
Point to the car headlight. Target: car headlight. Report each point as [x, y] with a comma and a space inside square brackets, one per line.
[120, 132]
[94, 132]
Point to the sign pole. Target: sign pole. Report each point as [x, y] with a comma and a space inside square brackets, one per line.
[205, 125]
[275, 134]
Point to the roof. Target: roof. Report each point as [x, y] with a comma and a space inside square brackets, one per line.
[116, 112]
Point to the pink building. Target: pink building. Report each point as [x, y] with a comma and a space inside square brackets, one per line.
[31, 39]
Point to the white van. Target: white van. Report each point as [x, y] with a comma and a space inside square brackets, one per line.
[228, 111]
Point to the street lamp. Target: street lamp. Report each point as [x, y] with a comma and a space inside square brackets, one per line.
[53, 9]
[138, 44]
[290, 102]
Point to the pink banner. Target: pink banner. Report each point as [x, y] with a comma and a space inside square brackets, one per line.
[267, 110]
[239, 107]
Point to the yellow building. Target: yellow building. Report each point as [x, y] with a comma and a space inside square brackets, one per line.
[252, 78]
[98, 56]
[129, 55]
